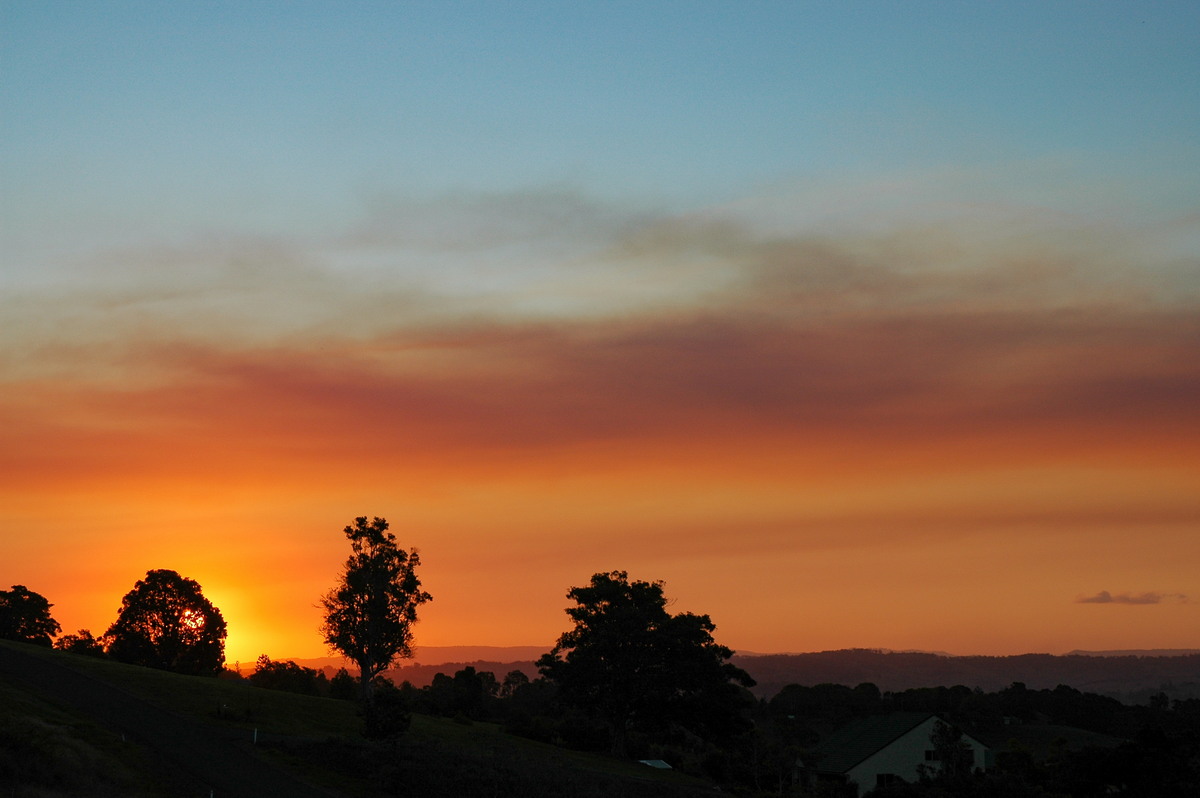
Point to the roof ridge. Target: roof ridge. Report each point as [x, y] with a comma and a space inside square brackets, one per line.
[864, 737]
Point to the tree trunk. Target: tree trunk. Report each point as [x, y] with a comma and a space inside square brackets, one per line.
[618, 738]
[366, 692]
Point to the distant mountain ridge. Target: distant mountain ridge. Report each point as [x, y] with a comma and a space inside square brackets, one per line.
[1137, 652]
[1129, 675]
[441, 655]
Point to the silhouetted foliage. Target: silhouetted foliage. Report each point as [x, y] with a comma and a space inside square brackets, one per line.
[166, 622]
[468, 695]
[1119, 749]
[513, 681]
[529, 710]
[342, 685]
[953, 754]
[81, 642]
[370, 614]
[288, 676]
[25, 616]
[388, 716]
[636, 667]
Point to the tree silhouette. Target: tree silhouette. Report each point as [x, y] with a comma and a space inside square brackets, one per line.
[287, 676]
[952, 752]
[370, 614]
[513, 681]
[25, 616]
[342, 685]
[82, 642]
[635, 666]
[166, 622]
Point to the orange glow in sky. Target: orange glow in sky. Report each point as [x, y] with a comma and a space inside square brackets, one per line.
[800, 509]
[865, 362]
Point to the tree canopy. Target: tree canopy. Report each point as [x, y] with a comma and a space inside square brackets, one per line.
[25, 616]
[370, 614]
[287, 676]
[82, 642]
[166, 622]
[637, 667]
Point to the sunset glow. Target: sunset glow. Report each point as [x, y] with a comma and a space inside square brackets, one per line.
[858, 325]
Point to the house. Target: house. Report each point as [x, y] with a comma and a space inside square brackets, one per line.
[883, 749]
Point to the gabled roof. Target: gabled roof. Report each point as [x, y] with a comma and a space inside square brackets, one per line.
[853, 743]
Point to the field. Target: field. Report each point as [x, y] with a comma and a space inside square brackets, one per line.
[78, 726]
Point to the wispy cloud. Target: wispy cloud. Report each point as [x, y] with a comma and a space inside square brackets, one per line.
[702, 329]
[1104, 597]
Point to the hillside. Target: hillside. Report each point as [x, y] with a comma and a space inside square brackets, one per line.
[76, 726]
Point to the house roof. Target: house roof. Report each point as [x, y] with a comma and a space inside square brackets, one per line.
[853, 743]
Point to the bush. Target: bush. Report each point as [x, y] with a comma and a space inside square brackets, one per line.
[387, 717]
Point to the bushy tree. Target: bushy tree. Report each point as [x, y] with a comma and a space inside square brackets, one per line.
[468, 694]
[637, 667]
[370, 614]
[341, 686]
[513, 681]
[166, 622]
[287, 676]
[952, 753]
[25, 616]
[82, 642]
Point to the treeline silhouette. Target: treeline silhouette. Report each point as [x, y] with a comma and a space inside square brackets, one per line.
[1048, 742]
[1131, 678]
[164, 622]
[634, 680]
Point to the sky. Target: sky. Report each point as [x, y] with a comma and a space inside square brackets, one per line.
[864, 324]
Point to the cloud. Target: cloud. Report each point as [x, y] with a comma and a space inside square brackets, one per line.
[701, 328]
[1104, 597]
[484, 222]
[1003, 385]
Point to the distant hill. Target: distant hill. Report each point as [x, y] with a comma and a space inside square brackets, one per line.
[1128, 677]
[1131, 676]
[440, 655]
[436, 655]
[1137, 652]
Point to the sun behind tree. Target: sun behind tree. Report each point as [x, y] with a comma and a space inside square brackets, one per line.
[166, 622]
[370, 614]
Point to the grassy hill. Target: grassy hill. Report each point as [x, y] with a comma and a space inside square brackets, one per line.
[78, 726]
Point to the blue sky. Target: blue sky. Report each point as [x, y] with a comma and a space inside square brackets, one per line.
[161, 119]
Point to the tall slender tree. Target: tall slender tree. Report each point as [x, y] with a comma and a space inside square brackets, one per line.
[370, 614]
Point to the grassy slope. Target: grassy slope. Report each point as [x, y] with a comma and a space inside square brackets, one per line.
[319, 737]
[47, 751]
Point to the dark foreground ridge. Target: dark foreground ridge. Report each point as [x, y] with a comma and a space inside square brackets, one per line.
[72, 725]
[191, 757]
